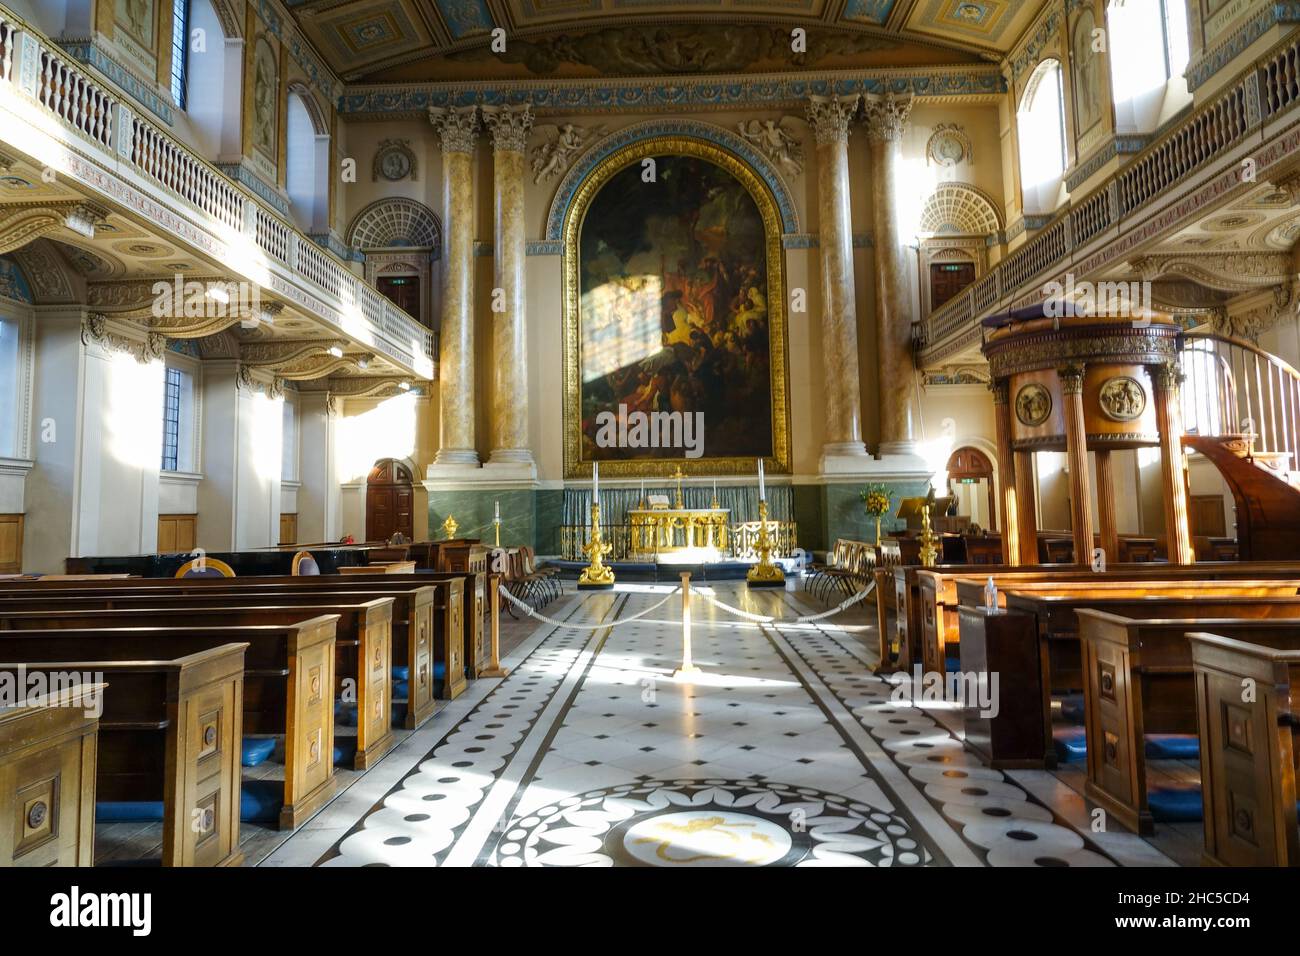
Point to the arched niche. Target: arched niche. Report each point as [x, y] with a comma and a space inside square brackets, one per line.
[401, 239]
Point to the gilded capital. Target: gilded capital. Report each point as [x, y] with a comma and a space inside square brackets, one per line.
[509, 126]
[1166, 377]
[829, 116]
[456, 125]
[886, 116]
[1071, 377]
[1001, 389]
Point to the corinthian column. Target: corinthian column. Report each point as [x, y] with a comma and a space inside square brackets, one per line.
[509, 126]
[1167, 380]
[458, 128]
[886, 118]
[829, 117]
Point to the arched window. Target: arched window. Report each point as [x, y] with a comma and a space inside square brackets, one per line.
[1139, 74]
[214, 81]
[1040, 124]
[306, 176]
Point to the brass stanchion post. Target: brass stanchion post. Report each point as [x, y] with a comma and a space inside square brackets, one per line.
[494, 668]
[688, 668]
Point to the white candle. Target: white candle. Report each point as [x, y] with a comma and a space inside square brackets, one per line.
[595, 482]
[642, 489]
[715, 489]
[762, 488]
[498, 512]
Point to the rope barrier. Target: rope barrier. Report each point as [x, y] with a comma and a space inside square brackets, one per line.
[805, 619]
[534, 613]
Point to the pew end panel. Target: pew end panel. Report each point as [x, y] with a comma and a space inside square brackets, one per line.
[309, 780]
[1018, 735]
[1248, 750]
[47, 780]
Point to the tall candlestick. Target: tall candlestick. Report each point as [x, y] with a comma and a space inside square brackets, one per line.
[497, 515]
[595, 482]
[762, 487]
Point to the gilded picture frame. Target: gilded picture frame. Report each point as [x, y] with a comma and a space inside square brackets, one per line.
[575, 466]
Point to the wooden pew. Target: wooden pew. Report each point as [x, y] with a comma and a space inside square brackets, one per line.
[169, 732]
[47, 779]
[1138, 679]
[1249, 747]
[363, 641]
[288, 686]
[1033, 645]
[936, 590]
[428, 613]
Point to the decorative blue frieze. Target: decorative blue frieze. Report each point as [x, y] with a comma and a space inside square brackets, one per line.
[87, 52]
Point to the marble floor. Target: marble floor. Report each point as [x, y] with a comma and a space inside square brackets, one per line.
[783, 750]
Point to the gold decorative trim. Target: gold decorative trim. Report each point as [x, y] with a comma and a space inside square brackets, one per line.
[574, 465]
[1122, 398]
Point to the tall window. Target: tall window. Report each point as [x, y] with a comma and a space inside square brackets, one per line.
[1177, 42]
[9, 378]
[1040, 123]
[1138, 75]
[172, 420]
[180, 49]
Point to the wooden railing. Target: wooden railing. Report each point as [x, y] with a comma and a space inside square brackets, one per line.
[1233, 387]
[1258, 95]
[87, 103]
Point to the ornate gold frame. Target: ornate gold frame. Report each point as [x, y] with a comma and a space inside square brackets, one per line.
[779, 463]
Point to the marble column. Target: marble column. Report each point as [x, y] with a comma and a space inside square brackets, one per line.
[1106, 504]
[886, 119]
[1010, 524]
[509, 126]
[1169, 423]
[1076, 454]
[829, 117]
[457, 126]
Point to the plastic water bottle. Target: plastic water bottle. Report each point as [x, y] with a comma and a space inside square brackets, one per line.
[990, 595]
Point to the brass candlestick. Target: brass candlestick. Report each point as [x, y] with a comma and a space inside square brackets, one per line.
[496, 531]
[679, 475]
[449, 527]
[765, 574]
[596, 575]
[928, 539]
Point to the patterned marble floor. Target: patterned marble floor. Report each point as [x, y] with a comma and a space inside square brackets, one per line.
[784, 751]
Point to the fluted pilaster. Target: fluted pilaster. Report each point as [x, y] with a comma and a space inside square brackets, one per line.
[457, 128]
[829, 118]
[886, 119]
[509, 126]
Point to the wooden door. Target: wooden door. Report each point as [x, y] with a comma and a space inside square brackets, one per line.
[390, 500]
[947, 279]
[967, 464]
[175, 533]
[402, 291]
[11, 543]
[1207, 516]
[288, 528]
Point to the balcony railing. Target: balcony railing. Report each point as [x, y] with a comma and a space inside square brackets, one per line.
[1260, 94]
[88, 105]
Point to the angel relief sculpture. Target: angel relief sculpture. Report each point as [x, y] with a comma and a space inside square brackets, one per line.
[551, 159]
[777, 142]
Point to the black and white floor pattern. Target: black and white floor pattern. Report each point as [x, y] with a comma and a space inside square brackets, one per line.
[785, 751]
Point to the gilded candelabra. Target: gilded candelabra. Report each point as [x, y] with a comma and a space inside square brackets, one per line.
[765, 574]
[597, 574]
[929, 540]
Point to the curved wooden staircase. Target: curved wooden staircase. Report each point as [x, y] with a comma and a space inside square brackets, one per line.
[1241, 410]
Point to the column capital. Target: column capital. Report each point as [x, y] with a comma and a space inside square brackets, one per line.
[509, 126]
[1166, 377]
[886, 116]
[1071, 377]
[829, 116]
[1001, 389]
[457, 126]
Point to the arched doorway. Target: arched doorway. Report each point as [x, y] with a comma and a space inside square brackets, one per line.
[968, 468]
[390, 497]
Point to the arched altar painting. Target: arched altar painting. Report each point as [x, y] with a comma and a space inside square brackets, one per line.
[674, 289]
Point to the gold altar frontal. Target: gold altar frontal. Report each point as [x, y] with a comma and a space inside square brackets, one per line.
[658, 531]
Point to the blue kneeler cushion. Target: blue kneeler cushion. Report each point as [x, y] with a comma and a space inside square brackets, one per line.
[1175, 804]
[1070, 742]
[401, 673]
[254, 750]
[345, 751]
[1072, 708]
[260, 801]
[1173, 747]
[128, 811]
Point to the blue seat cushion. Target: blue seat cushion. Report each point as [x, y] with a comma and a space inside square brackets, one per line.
[1070, 743]
[345, 713]
[260, 801]
[439, 670]
[1173, 747]
[952, 665]
[254, 750]
[1175, 804]
[128, 811]
[345, 751]
[401, 673]
[401, 688]
[1072, 708]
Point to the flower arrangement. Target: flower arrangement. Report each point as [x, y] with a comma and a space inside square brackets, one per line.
[348, 539]
[876, 500]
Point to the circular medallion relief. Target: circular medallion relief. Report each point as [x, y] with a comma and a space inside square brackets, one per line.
[1033, 405]
[1122, 398]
